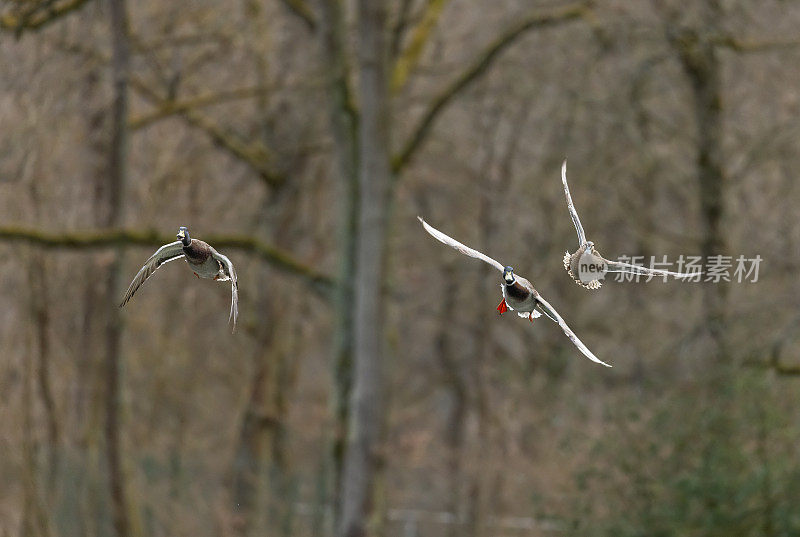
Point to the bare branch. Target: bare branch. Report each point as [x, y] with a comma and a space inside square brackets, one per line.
[476, 69]
[750, 45]
[170, 41]
[171, 108]
[773, 365]
[321, 283]
[34, 19]
[399, 28]
[409, 58]
[301, 9]
[254, 154]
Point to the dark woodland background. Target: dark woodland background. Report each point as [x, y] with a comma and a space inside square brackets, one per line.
[371, 387]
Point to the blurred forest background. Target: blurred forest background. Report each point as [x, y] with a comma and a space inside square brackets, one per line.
[371, 387]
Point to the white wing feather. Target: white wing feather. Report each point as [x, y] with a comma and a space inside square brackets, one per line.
[618, 266]
[546, 308]
[553, 314]
[572, 212]
[466, 250]
[230, 272]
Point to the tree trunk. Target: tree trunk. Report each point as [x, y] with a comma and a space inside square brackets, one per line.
[700, 62]
[456, 386]
[262, 441]
[261, 469]
[40, 304]
[35, 521]
[90, 389]
[344, 131]
[477, 498]
[117, 174]
[362, 457]
[258, 424]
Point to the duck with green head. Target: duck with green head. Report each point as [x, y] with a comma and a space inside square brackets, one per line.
[518, 293]
[201, 257]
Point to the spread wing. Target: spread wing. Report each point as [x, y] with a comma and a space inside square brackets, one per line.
[230, 272]
[572, 212]
[165, 254]
[548, 310]
[618, 266]
[441, 237]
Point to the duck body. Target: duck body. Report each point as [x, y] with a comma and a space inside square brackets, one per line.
[519, 297]
[199, 257]
[572, 265]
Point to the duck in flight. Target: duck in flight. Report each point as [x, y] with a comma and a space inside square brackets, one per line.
[202, 258]
[518, 293]
[586, 265]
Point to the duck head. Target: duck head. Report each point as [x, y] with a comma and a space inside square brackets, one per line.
[183, 236]
[508, 275]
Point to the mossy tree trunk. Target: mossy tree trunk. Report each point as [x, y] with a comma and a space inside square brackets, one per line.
[343, 120]
[362, 458]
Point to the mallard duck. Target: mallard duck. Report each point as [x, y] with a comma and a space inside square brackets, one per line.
[518, 293]
[586, 265]
[203, 259]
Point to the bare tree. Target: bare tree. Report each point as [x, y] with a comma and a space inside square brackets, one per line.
[42, 316]
[117, 177]
[366, 408]
[343, 121]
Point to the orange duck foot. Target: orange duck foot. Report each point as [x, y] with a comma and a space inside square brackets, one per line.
[502, 307]
[196, 276]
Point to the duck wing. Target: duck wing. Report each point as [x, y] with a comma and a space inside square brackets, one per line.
[230, 272]
[165, 254]
[466, 250]
[572, 212]
[548, 310]
[619, 266]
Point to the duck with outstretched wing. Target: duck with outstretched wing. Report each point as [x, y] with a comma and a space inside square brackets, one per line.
[518, 293]
[201, 257]
[586, 265]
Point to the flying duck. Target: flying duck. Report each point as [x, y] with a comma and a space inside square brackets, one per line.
[203, 259]
[518, 293]
[586, 265]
